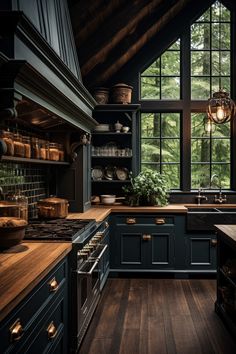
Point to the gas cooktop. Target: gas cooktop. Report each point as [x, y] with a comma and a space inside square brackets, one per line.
[59, 229]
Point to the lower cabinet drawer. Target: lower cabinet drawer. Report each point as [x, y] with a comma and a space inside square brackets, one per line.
[157, 219]
[17, 327]
[49, 335]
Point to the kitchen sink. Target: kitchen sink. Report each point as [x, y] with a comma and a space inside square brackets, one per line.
[204, 218]
[203, 210]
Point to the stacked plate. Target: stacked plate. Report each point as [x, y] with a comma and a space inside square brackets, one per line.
[102, 128]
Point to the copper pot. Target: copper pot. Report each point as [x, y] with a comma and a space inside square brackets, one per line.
[52, 208]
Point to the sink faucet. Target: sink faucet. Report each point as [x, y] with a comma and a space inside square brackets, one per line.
[220, 199]
[200, 197]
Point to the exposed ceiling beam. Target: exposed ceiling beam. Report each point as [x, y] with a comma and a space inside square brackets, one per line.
[134, 43]
[116, 30]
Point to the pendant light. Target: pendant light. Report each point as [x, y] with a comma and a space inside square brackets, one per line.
[220, 107]
[209, 126]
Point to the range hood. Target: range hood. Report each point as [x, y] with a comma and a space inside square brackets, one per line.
[40, 79]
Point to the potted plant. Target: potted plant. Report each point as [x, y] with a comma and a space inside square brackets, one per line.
[148, 188]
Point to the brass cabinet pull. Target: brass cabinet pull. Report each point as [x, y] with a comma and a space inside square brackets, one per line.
[52, 330]
[130, 221]
[53, 284]
[147, 237]
[213, 242]
[16, 331]
[160, 221]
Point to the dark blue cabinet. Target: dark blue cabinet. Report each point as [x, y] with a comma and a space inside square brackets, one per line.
[39, 323]
[200, 251]
[159, 242]
[143, 242]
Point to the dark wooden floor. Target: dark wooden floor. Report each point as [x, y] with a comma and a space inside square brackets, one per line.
[157, 316]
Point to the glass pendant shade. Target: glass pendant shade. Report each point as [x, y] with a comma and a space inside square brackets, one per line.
[209, 126]
[220, 108]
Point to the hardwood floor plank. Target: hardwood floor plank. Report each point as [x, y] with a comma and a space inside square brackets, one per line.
[157, 316]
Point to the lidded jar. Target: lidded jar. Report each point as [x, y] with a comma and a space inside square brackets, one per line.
[53, 152]
[9, 141]
[42, 149]
[21, 201]
[19, 147]
[27, 146]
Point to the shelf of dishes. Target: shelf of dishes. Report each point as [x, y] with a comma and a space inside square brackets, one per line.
[117, 127]
[30, 147]
[110, 173]
[111, 150]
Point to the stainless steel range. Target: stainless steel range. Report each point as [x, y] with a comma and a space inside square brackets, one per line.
[86, 264]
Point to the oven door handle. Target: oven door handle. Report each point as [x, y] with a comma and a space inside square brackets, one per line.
[91, 269]
[102, 251]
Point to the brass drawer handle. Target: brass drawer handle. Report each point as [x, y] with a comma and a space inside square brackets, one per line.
[53, 285]
[147, 237]
[213, 242]
[130, 221]
[160, 221]
[52, 330]
[16, 331]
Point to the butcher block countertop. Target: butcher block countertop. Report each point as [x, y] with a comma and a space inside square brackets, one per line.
[228, 230]
[23, 266]
[99, 213]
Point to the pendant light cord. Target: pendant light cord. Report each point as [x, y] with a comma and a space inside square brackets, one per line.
[220, 49]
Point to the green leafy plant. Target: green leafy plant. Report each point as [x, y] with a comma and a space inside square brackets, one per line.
[148, 188]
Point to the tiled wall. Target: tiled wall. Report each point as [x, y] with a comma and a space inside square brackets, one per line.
[31, 180]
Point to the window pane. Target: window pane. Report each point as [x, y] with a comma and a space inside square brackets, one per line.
[200, 149]
[176, 45]
[200, 36]
[197, 125]
[220, 150]
[153, 69]
[200, 88]
[170, 88]
[200, 63]
[225, 14]
[200, 176]
[150, 125]
[224, 42]
[150, 87]
[172, 173]
[150, 150]
[222, 130]
[205, 17]
[170, 63]
[223, 171]
[216, 84]
[151, 166]
[225, 63]
[170, 150]
[170, 125]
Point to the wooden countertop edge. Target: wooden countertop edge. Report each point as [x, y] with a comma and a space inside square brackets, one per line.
[228, 231]
[5, 310]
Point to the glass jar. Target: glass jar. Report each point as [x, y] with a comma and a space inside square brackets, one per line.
[35, 148]
[42, 150]
[19, 148]
[27, 146]
[21, 201]
[47, 150]
[9, 140]
[61, 152]
[53, 152]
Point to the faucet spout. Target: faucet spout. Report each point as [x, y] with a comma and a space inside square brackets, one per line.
[200, 197]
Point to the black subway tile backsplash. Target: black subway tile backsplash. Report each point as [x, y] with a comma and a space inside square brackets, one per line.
[30, 180]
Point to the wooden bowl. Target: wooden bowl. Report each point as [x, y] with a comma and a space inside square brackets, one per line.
[12, 235]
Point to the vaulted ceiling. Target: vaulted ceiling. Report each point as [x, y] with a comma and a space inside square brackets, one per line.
[109, 34]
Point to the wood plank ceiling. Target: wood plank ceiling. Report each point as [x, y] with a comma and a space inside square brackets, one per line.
[109, 33]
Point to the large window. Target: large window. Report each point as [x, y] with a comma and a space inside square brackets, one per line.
[160, 144]
[209, 44]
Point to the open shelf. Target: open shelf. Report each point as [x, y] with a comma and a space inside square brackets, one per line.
[26, 160]
[112, 133]
[111, 181]
[112, 157]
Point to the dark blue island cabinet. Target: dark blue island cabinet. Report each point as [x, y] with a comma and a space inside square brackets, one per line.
[159, 242]
[39, 323]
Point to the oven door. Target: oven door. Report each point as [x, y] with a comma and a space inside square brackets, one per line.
[88, 282]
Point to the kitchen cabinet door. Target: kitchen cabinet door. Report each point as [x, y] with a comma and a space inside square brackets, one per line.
[200, 251]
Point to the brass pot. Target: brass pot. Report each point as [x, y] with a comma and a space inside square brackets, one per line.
[52, 208]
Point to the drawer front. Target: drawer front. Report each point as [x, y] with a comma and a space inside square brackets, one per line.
[157, 219]
[15, 329]
[50, 331]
